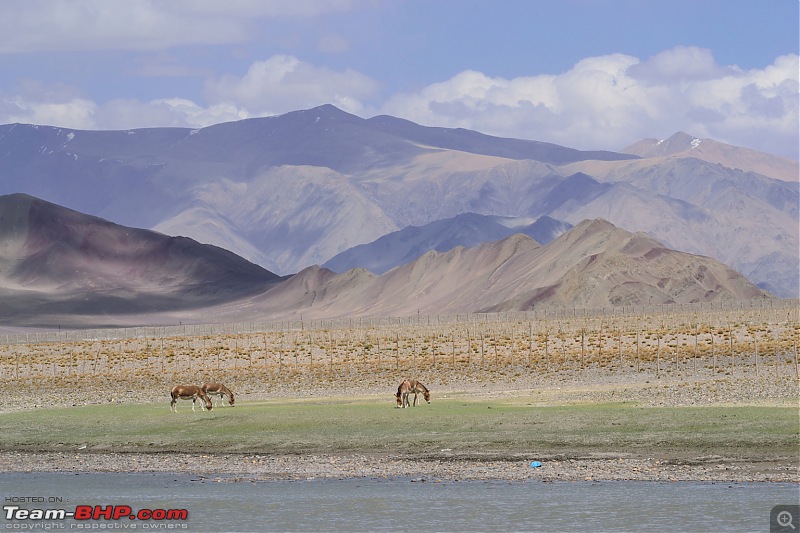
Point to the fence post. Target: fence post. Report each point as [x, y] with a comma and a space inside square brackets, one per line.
[546, 351]
[755, 342]
[713, 353]
[658, 355]
[482, 348]
[530, 345]
[583, 346]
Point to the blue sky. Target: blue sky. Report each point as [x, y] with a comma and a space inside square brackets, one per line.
[596, 74]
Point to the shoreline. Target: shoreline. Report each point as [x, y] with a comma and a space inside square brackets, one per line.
[443, 466]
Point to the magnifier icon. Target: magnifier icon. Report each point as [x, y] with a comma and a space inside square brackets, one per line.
[784, 519]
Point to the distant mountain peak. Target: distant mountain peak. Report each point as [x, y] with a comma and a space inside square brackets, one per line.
[677, 143]
[682, 144]
[329, 112]
[594, 226]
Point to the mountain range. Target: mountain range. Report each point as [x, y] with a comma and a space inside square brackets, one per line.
[467, 230]
[308, 187]
[62, 267]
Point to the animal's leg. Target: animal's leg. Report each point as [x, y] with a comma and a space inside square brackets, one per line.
[193, 405]
[172, 406]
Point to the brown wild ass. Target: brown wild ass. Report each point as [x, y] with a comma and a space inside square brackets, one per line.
[214, 389]
[411, 386]
[404, 386]
[189, 392]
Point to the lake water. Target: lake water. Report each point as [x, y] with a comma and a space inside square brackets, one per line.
[215, 504]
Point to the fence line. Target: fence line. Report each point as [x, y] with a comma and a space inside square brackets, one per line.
[790, 306]
[761, 340]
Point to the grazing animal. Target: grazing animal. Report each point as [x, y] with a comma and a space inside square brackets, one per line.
[406, 388]
[218, 389]
[189, 392]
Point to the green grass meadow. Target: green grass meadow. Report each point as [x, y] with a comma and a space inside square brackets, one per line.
[496, 427]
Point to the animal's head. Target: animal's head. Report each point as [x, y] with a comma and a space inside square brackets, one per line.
[232, 399]
[207, 401]
[427, 395]
[399, 398]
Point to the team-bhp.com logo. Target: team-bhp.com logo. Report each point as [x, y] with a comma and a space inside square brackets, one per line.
[87, 514]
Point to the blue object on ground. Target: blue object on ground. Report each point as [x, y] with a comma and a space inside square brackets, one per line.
[536, 464]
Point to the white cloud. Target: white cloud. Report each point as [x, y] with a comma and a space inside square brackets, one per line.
[264, 8]
[172, 112]
[73, 113]
[611, 101]
[284, 83]
[275, 86]
[69, 25]
[63, 25]
[682, 63]
[119, 114]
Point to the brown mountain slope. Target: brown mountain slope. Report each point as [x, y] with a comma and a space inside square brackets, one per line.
[55, 258]
[595, 264]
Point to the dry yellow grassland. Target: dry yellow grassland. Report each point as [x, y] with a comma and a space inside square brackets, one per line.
[370, 356]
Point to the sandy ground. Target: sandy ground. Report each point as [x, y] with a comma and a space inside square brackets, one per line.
[708, 389]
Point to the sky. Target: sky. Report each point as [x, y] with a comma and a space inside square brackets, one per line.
[599, 74]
